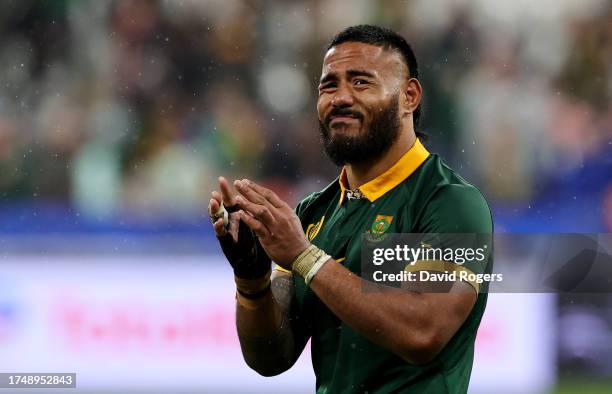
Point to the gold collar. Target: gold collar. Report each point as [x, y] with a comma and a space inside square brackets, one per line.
[386, 181]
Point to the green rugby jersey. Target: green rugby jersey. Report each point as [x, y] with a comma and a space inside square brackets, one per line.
[419, 194]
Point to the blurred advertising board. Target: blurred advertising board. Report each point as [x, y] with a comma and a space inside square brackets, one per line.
[166, 323]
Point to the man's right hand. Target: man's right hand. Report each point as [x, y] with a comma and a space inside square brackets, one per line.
[239, 244]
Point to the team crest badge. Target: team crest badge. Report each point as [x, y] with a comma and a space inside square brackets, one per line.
[381, 224]
[313, 229]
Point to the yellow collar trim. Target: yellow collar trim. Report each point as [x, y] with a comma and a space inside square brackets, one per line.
[401, 170]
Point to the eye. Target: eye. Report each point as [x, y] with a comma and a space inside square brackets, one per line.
[360, 82]
[327, 86]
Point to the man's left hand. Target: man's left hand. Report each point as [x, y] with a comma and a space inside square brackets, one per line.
[276, 225]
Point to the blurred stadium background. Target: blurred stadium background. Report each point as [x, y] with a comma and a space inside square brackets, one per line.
[116, 117]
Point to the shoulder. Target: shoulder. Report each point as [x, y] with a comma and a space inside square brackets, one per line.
[452, 203]
[459, 196]
[316, 199]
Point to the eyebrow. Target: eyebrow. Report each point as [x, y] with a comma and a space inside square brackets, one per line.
[351, 73]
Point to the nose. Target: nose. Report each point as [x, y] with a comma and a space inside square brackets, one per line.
[343, 97]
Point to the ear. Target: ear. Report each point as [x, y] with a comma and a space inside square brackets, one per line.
[411, 95]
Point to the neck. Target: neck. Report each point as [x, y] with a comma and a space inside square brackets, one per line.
[360, 173]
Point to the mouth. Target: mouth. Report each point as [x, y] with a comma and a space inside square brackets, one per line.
[343, 119]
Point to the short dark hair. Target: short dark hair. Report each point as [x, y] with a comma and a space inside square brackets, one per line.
[388, 39]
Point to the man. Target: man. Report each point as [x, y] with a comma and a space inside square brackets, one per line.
[362, 341]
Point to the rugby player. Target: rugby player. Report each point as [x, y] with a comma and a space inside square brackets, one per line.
[362, 341]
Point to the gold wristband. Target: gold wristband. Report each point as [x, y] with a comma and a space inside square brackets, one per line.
[308, 263]
[304, 261]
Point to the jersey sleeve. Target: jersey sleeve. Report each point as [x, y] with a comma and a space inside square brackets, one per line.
[458, 218]
[457, 209]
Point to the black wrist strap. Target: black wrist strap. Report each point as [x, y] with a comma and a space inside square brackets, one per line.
[256, 295]
[232, 209]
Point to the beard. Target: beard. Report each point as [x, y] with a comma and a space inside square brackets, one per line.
[370, 143]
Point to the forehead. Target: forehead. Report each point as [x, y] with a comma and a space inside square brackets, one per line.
[358, 55]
